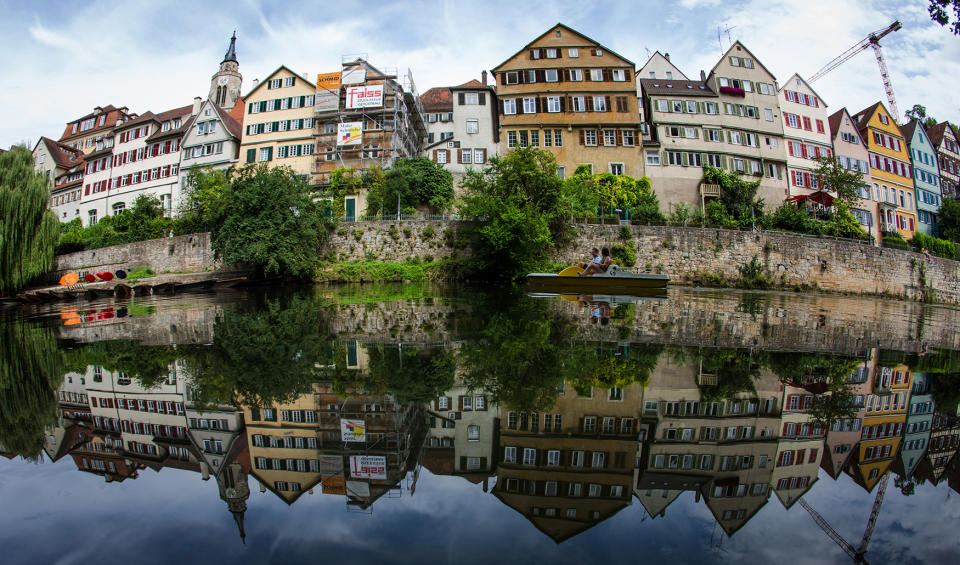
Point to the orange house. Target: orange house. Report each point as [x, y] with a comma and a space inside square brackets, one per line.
[889, 158]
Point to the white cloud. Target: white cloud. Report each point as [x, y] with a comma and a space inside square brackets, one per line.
[155, 57]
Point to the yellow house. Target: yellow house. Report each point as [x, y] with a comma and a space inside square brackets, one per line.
[278, 123]
[885, 415]
[890, 169]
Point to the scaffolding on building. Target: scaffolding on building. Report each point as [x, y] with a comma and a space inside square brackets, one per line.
[392, 130]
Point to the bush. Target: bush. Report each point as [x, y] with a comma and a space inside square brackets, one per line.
[625, 255]
[939, 247]
[679, 215]
[893, 240]
[752, 275]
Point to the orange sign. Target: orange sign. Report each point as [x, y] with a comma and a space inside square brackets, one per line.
[328, 81]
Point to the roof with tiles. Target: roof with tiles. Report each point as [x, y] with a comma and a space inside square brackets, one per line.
[63, 155]
[112, 113]
[437, 99]
[676, 87]
[472, 84]
[863, 117]
[937, 132]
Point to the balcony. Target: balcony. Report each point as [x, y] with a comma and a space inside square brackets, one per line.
[733, 91]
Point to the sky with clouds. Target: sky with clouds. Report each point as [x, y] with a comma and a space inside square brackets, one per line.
[57, 514]
[63, 58]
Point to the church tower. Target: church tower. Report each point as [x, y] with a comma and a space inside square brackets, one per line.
[225, 84]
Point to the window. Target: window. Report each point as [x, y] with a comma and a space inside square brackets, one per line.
[628, 137]
[609, 137]
[473, 433]
[619, 75]
[576, 75]
[573, 52]
[553, 457]
[711, 108]
[479, 158]
[653, 158]
[599, 103]
[596, 75]
[529, 105]
[598, 459]
[590, 137]
[663, 106]
[553, 104]
[265, 154]
[529, 456]
[509, 105]
[509, 454]
[551, 75]
[590, 424]
[511, 139]
[578, 103]
[441, 156]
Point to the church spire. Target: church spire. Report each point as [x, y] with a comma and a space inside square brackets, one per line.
[231, 54]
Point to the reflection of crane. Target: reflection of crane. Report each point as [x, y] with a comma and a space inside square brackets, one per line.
[872, 40]
[857, 554]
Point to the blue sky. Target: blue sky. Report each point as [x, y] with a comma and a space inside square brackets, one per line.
[63, 58]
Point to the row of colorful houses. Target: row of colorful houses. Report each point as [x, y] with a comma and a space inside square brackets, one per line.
[562, 92]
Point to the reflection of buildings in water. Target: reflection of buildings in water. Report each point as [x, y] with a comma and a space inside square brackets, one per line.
[113, 427]
[569, 468]
[844, 434]
[944, 440]
[297, 445]
[462, 434]
[724, 449]
[798, 448]
[885, 412]
[916, 434]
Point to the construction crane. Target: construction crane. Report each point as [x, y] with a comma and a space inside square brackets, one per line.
[872, 40]
[858, 554]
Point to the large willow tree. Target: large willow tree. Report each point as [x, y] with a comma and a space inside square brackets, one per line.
[28, 229]
[31, 369]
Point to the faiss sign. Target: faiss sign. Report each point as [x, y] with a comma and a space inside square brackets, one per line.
[368, 467]
[364, 96]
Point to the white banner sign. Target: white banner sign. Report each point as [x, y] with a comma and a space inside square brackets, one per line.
[326, 101]
[353, 430]
[353, 76]
[368, 467]
[370, 96]
[349, 133]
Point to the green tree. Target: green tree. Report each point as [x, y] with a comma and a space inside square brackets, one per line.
[417, 182]
[738, 205]
[28, 229]
[518, 210]
[271, 222]
[31, 369]
[949, 220]
[939, 13]
[204, 200]
[919, 113]
[604, 192]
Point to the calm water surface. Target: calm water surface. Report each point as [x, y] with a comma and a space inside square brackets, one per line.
[436, 424]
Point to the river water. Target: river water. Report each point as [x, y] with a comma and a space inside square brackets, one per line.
[394, 424]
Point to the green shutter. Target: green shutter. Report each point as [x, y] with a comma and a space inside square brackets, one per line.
[251, 155]
[663, 159]
[723, 161]
[696, 133]
[684, 160]
[269, 153]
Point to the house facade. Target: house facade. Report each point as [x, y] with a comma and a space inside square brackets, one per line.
[571, 96]
[926, 176]
[465, 133]
[851, 152]
[806, 134]
[89, 133]
[948, 158]
[278, 123]
[889, 159]
[212, 138]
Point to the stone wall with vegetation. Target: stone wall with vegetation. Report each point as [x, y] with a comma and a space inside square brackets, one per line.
[422, 240]
[180, 254]
[714, 257]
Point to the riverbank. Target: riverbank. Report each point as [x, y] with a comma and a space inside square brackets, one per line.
[436, 251]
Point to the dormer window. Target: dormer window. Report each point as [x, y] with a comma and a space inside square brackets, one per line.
[165, 126]
[176, 122]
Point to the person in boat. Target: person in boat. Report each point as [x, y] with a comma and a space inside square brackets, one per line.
[596, 258]
[600, 267]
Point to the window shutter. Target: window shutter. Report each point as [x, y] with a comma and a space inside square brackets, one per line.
[587, 76]
[482, 98]
[461, 98]
[563, 103]
[582, 140]
[500, 106]
[663, 158]
[251, 155]
[619, 137]
[606, 101]
[684, 159]
[519, 105]
[607, 74]
[447, 151]
[434, 155]
[484, 153]
[460, 160]
[269, 153]
[538, 105]
[589, 101]
[541, 75]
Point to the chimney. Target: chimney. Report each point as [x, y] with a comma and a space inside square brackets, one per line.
[703, 76]
[196, 106]
[667, 56]
[483, 78]
[256, 81]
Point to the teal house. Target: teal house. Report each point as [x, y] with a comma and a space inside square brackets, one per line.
[926, 176]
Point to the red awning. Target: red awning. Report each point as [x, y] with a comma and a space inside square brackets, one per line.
[818, 197]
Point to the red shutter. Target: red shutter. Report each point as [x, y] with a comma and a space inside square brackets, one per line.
[790, 148]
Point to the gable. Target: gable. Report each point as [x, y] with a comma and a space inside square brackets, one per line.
[798, 84]
[740, 51]
[659, 64]
[281, 73]
[561, 36]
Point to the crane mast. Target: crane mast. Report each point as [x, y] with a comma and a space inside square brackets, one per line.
[871, 41]
[857, 554]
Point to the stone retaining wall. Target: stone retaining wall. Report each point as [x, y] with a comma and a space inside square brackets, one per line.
[185, 253]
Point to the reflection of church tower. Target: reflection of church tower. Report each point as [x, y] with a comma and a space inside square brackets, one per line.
[225, 84]
[232, 481]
